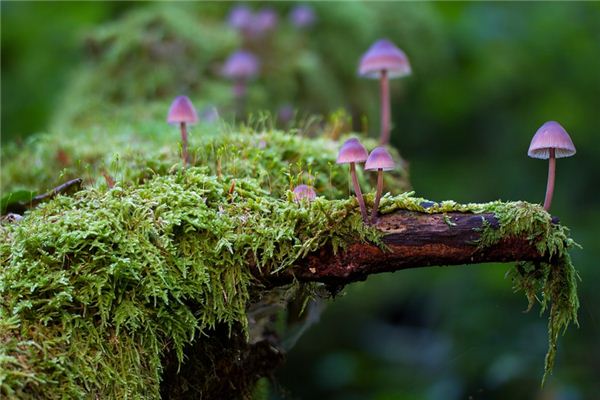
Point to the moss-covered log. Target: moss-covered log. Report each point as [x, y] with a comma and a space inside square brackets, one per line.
[104, 292]
[412, 240]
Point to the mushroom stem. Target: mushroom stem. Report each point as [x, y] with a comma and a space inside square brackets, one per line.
[239, 92]
[550, 185]
[359, 196]
[184, 143]
[377, 195]
[385, 108]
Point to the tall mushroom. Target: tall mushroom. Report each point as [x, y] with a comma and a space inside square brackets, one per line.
[240, 67]
[353, 152]
[383, 61]
[182, 112]
[551, 141]
[379, 160]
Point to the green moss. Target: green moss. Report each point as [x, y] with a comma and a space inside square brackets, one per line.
[96, 288]
[551, 284]
[119, 275]
[134, 153]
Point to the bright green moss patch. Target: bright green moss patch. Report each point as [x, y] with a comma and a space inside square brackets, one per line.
[136, 153]
[96, 288]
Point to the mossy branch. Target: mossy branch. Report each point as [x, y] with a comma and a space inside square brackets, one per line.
[107, 291]
[413, 240]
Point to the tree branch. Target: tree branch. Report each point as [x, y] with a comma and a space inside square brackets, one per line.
[413, 240]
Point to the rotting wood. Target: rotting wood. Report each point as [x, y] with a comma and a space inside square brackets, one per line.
[412, 240]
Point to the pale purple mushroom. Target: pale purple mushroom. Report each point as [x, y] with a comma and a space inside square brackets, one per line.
[551, 141]
[304, 192]
[379, 160]
[285, 114]
[240, 67]
[182, 112]
[302, 16]
[353, 152]
[240, 18]
[383, 61]
[264, 21]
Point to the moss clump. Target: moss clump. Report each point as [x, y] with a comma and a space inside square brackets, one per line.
[555, 282]
[136, 153]
[95, 286]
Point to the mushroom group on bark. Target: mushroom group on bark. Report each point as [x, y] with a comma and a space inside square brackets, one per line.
[353, 152]
[550, 142]
[383, 61]
[182, 112]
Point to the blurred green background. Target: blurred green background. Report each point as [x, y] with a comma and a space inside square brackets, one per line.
[485, 77]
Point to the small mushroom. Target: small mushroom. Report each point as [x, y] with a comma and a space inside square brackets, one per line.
[240, 67]
[302, 16]
[182, 112]
[240, 18]
[353, 152]
[379, 160]
[551, 141]
[382, 61]
[304, 192]
[265, 21]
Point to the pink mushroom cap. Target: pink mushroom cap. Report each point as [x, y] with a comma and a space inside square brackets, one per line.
[265, 20]
[304, 192]
[551, 135]
[380, 159]
[384, 55]
[241, 65]
[352, 151]
[302, 16]
[182, 110]
[240, 17]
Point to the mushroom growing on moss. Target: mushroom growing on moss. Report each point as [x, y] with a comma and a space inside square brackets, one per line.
[382, 61]
[304, 192]
[240, 67]
[182, 112]
[379, 160]
[551, 141]
[353, 152]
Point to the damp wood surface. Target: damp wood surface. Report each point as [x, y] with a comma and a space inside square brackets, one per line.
[415, 239]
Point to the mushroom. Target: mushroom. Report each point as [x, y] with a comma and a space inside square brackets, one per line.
[382, 61]
[240, 18]
[182, 112]
[265, 21]
[304, 192]
[240, 67]
[379, 160]
[302, 16]
[551, 141]
[353, 152]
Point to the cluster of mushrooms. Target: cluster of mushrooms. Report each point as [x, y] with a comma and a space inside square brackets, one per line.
[243, 65]
[382, 61]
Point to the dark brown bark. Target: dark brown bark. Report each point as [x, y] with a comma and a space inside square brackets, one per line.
[413, 240]
[68, 187]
